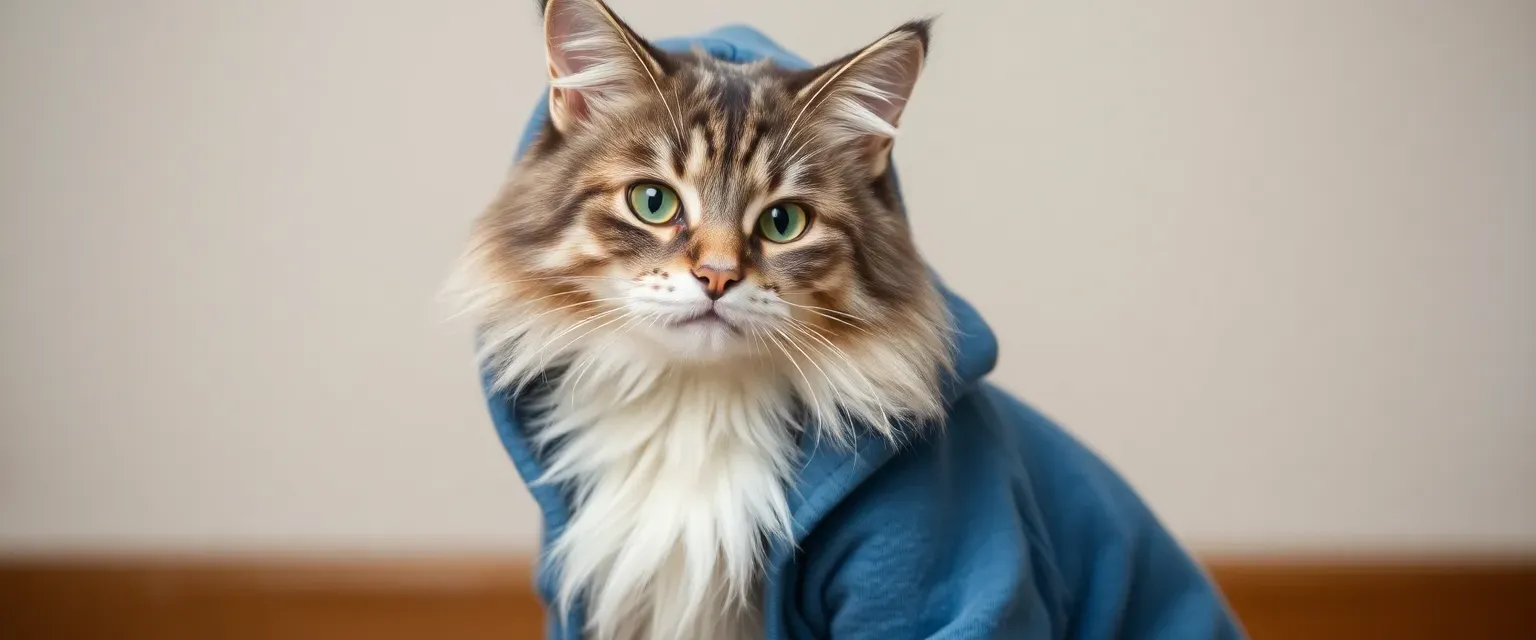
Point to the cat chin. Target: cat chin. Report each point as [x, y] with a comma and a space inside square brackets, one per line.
[703, 342]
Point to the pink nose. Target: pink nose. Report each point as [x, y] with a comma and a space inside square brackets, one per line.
[715, 279]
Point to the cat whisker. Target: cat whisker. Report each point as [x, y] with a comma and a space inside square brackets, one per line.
[835, 312]
[497, 283]
[477, 293]
[874, 396]
[573, 305]
[624, 329]
[806, 329]
[796, 158]
[588, 332]
[797, 345]
[759, 354]
[832, 317]
[844, 314]
[820, 331]
[809, 388]
[840, 406]
[809, 103]
[545, 362]
[762, 355]
[548, 296]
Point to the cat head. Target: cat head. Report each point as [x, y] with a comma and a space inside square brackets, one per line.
[690, 212]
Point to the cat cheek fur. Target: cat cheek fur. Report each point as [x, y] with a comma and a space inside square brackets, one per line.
[677, 463]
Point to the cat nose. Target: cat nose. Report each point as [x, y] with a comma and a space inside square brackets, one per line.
[716, 278]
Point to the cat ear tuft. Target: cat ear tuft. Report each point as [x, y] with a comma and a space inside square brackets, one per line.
[862, 95]
[595, 60]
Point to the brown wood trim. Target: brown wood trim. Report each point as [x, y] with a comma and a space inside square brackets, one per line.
[279, 599]
[473, 598]
[1424, 598]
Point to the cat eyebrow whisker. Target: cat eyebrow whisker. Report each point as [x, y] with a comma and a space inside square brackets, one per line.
[604, 72]
[677, 123]
[805, 161]
[794, 157]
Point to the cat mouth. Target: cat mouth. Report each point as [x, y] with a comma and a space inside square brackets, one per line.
[705, 319]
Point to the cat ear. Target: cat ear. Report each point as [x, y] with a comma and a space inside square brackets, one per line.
[861, 96]
[595, 61]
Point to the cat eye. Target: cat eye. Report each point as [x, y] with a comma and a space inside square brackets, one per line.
[653, 202]
[783, 222]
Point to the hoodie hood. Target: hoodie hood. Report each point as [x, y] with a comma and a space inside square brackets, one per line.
[827, 474]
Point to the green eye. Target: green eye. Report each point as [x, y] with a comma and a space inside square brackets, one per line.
[783, 222]
[653, 202]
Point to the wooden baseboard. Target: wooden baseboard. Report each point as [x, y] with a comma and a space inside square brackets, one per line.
[267, 599]
[474, 598]
[1445, 599]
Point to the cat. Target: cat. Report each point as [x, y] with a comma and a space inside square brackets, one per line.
[695, 264]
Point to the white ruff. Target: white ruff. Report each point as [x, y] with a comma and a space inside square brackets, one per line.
[679, 475]
[677, 467]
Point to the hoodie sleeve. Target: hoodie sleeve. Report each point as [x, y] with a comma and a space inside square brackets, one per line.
[958, 539]
[932, 545]
[1147, 587]
[1126, 575]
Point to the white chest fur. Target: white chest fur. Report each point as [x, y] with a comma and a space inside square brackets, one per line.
[679, 482]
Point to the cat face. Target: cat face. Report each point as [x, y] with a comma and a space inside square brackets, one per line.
[710, 212]
[713, 236]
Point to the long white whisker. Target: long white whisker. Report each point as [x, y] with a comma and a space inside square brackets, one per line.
[801, 327]
[589, 331]
[497, 283]
[796, 344]
[816, 308]
[833, 318]
[545, 362]
[624, 329]
[572, 305]
[552, 295]
[869, 385]
[765, 354]
[815, 401]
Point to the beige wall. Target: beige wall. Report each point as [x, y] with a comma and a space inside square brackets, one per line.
[1277, 263]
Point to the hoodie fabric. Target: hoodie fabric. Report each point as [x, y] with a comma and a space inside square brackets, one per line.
[996, 524]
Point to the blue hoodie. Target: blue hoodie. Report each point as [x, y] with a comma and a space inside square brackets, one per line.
[997, 524]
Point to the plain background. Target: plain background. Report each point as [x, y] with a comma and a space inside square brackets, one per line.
[1277, 261]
